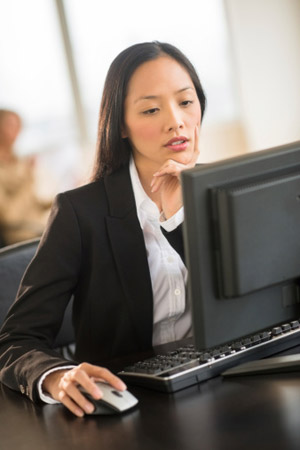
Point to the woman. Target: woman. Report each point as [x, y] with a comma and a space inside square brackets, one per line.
[116, 242]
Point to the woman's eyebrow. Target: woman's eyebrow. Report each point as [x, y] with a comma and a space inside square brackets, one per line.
[151, 97]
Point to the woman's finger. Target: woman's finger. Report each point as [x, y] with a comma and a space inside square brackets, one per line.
[106, 375]
[68, 403]
[170, 167]
[102, 373]
[72, 392]
[196, 147]
[157, 183]
[85, 374]
[79, 376]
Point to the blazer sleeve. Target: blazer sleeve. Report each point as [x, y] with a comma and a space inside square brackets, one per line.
[33, 321]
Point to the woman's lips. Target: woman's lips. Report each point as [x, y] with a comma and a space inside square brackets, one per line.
[177, 144]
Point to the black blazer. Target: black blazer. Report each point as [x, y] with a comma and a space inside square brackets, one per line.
[93, 247]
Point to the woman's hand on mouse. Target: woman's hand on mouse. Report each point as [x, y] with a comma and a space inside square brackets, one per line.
[63, 385]
[166, 181]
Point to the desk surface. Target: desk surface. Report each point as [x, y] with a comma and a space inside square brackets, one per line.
[258, 412]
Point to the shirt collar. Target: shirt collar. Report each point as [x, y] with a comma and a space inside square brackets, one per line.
[146, 208]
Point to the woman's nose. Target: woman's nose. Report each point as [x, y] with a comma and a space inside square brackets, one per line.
[173, 120]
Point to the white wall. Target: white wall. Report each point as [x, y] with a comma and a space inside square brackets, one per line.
[265, 39]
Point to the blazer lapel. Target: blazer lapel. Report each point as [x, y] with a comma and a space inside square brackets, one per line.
[129, 251]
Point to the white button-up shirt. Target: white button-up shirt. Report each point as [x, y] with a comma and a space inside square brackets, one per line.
[172, 316]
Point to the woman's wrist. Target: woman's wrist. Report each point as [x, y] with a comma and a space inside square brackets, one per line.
[51, 381]
[167, 212]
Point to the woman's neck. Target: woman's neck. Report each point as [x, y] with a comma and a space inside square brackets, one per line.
[6, 153]
[145, 173]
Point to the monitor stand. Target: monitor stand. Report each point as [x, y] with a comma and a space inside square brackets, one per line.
[277, 364]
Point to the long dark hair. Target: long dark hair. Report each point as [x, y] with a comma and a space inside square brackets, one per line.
[113, 151]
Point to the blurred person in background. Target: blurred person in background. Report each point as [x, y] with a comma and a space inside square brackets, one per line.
[22, 214]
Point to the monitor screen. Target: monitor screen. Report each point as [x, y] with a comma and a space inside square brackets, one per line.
[242, 243]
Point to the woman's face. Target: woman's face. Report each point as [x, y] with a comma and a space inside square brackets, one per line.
[161, 112]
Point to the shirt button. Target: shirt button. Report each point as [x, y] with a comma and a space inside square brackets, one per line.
[170, 259]
[177, 292]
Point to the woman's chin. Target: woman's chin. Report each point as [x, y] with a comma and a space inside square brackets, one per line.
[182, 158]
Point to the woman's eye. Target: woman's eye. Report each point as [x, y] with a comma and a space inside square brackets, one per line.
[150, 111]
[187, 102]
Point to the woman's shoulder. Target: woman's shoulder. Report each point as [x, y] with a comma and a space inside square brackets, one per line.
[83, 198]
[85, 190]
[100, 190]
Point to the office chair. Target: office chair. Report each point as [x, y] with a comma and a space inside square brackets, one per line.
[14, 259]
[2, 240]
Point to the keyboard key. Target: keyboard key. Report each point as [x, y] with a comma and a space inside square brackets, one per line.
[154, 370]
[276, 331]
[265, 336]
[225, 349]
[130, 369]
[182, 354]
[142, 369]
[185, 360]
[194, 355]
[247, 342]
[256, 339]
[216, 353]
[295, 324]
[205, 357]
[173, 353]
[237, 346]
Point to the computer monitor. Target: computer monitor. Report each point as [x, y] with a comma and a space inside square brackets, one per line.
[242, 243]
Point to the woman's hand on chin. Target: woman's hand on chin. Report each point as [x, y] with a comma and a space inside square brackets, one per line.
[166, 181]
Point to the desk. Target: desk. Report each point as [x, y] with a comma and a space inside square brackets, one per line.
[258, 412]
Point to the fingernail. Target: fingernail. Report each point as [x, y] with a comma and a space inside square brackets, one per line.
[79, 412]
[97, 393]
[89, 408]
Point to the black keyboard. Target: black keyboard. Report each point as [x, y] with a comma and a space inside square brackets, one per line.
[185, 366]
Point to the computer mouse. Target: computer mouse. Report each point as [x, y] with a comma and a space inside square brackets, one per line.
[113, 401]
